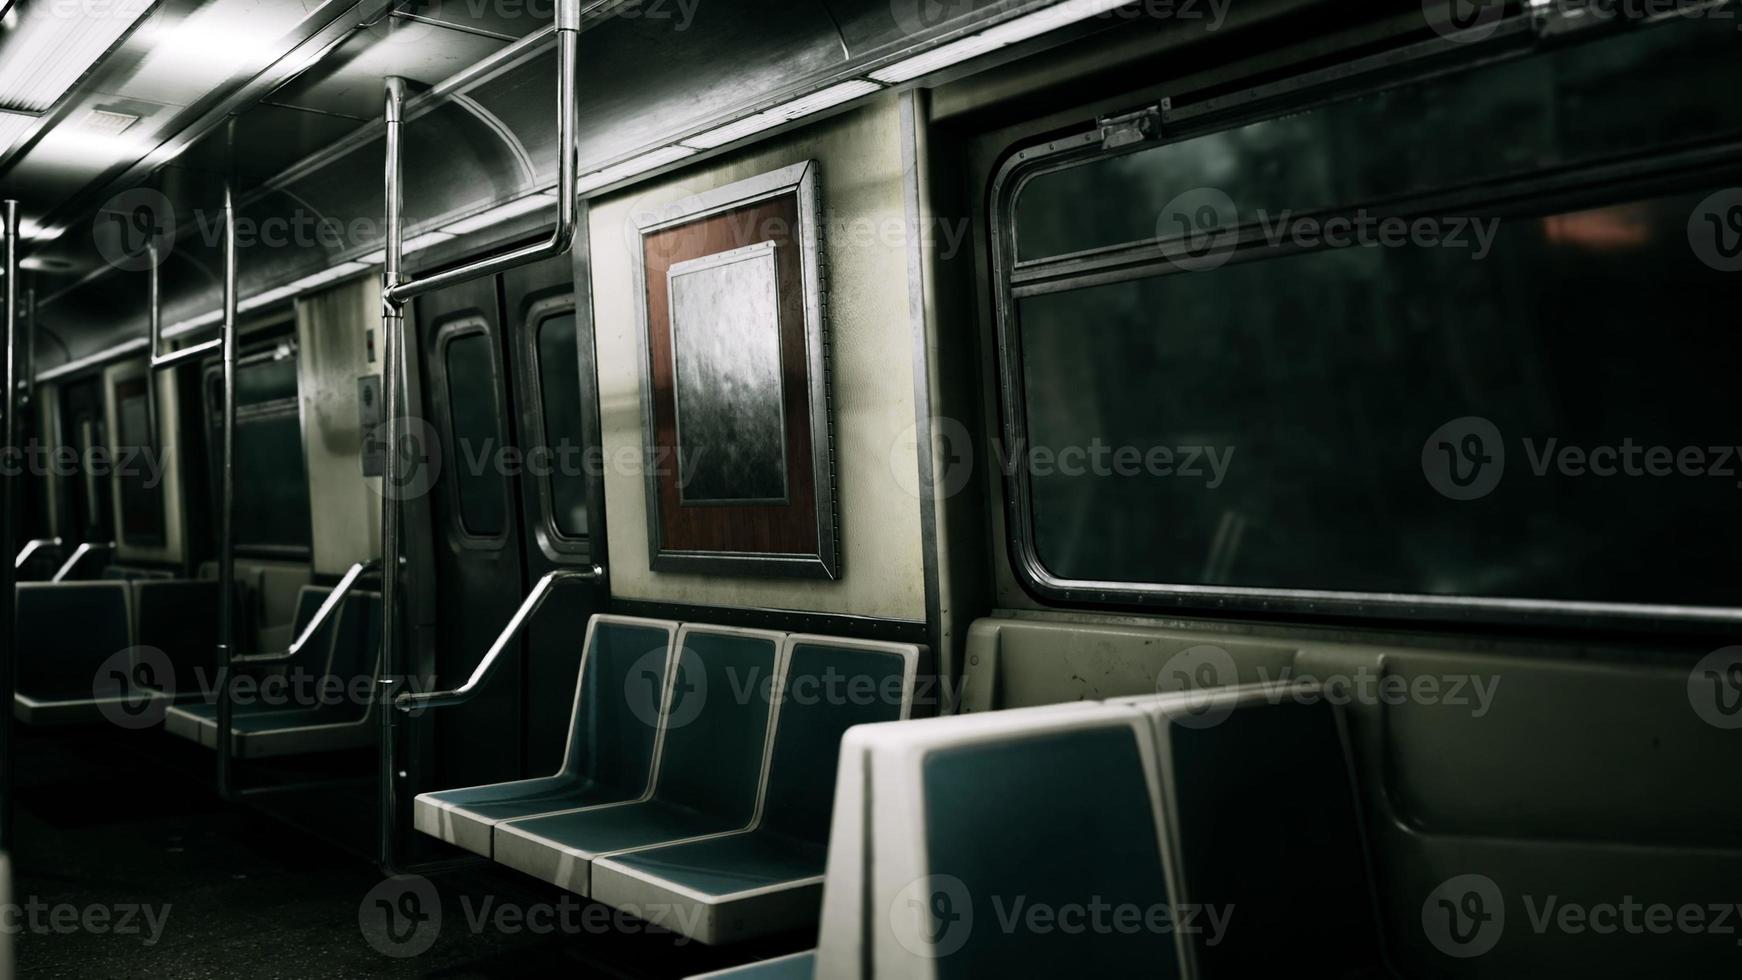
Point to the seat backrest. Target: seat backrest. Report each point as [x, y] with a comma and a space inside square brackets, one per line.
[180, 618]
[354, 648]
[614, 726]
[1232, 760]
[1031, 844]
[829, 685]
[717, 713]
[65, 633]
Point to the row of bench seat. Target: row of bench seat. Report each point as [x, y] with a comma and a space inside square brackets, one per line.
[68, 633]
[948, 831]
[342, 654]
[698, 774]
[127, 638]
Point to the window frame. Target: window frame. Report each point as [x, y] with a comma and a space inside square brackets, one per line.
[540, 313]
[456, 329]
[1014, 278]
[212, 371]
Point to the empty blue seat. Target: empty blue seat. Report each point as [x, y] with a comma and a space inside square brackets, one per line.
[611, 741]
[974, 822]
[768, 878]
[339, 668]
[714, 734]
[797, 966]
[65, 633]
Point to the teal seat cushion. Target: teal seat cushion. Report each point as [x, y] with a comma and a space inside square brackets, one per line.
[798, 966]
[1062, 820]
[729, 865]
[559, 847]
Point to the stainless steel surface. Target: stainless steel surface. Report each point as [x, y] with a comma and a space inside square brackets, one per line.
[31, 547]
[651, 79]
[320, 618]
[409, 701]
[728, 392]
[78, 555]
[9, 524]
[227, 499]
[393, 401]
[568, 35]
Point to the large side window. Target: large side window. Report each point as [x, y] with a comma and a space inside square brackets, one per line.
[1467, 341]
[564, 435]
[272, 497]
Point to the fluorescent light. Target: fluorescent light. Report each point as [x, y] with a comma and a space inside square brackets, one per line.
[501, 213]
[418, 244]
[827, 98]
[1010, 32]
[54, 44]
[219, 38]
[629, 168]
[189, 326]
[325, 276]
[811, 104]
[12, 126]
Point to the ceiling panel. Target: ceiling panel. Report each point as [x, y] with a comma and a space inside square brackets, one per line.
[348, 81]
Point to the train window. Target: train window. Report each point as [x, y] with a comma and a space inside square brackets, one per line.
[1554, 110]
[559, 388]
[142, 519]
[272, 497]
[1460, 410]
[469, 361]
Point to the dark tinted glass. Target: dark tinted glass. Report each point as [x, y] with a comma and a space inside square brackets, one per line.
[559, 388]
[267, 380]
[1517, 117]
[477, 433]
[139, 463]
[272, 506]
[1300, 412]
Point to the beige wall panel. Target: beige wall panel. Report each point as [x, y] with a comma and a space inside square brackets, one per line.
[870, 334]
[332, 331]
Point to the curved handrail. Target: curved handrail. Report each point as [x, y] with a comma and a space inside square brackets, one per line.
[31, 547]
[407, 701]
[78, 555]
[397, 291]
[324, 613]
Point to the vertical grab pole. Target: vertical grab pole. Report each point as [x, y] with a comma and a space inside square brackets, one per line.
[8, 502]
[393, 396]
[226, 489]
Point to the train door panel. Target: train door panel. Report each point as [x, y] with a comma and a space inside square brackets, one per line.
[475, 525]
[551, 350]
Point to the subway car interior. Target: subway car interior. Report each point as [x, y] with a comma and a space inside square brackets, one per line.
[1194, 489]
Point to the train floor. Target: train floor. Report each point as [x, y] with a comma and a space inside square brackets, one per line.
[127, 864]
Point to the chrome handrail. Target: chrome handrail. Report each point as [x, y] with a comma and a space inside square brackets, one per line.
[78, 555]
[324, 613]
[31, 547]
[407, 701]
